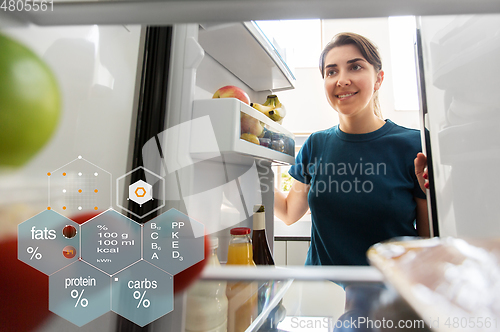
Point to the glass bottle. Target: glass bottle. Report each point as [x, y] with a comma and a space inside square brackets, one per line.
[262, 256]
[240, 247]
[242, 296]
[261, 252]
[206, 307]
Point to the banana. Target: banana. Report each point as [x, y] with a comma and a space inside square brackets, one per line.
[275, 115]
[272, 100]
[272, 108]
[266, 110]
[262, 108]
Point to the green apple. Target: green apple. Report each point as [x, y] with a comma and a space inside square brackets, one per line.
[30, 103]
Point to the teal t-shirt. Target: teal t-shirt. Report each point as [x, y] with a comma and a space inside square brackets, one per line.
[362, 190]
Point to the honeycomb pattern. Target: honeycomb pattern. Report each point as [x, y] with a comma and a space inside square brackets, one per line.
[110, 264]
[100, 265]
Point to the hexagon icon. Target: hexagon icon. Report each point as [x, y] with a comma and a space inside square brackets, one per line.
[142, 293]
[48, 241]
[79, 293]
[111, 241]
[173, 241]
[140, 192]
[79, 186]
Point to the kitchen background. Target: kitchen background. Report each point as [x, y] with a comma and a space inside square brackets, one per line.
[308, 110]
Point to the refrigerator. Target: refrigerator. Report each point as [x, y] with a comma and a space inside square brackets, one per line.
[138, 79]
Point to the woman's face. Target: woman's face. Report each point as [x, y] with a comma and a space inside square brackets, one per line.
[350, 81]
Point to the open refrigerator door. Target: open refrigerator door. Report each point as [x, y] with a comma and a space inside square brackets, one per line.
[209, 173]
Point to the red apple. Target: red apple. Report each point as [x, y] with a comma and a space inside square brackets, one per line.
[230, 91]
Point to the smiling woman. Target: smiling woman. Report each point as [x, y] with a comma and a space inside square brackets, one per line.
[351, 83]
[352, 210]
[352, 71]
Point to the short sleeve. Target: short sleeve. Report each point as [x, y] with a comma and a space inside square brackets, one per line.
[300, 171]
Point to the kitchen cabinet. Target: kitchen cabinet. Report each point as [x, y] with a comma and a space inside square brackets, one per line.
[292, 242]
[279, 253]
[296, 252]
[291, 252]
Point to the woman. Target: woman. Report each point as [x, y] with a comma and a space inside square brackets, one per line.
[360, 179]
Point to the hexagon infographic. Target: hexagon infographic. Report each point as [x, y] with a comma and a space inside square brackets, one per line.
[79, 293]
[111, 241]
[173, 241]
[110, 262]
[142, 293]
[140, 192]
[109, 272]
[79, 186]
[48, 241]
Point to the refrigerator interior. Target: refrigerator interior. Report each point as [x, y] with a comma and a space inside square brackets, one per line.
[210, 173]
[100, 87]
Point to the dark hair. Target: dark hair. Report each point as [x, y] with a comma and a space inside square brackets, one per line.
[365, 47]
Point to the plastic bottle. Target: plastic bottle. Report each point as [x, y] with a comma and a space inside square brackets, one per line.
[206, 307]
[242, 296]
[261, 252]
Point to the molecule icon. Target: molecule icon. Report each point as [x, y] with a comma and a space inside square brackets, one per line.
[140, 192]
[79, 186]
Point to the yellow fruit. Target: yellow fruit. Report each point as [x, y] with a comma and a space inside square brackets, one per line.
[250, 138]
[261, 108]
[275, 115]
[273, 101]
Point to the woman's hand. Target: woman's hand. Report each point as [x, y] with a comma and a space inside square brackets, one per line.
[421, 171]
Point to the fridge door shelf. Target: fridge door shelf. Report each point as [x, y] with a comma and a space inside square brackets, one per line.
[276, 144]
[347, 274]
[245, 51]
[277, 281]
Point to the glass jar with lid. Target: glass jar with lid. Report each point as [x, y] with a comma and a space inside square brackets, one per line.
[240, 247]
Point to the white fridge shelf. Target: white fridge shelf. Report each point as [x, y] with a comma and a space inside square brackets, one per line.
[244, 50]
[225, 117]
